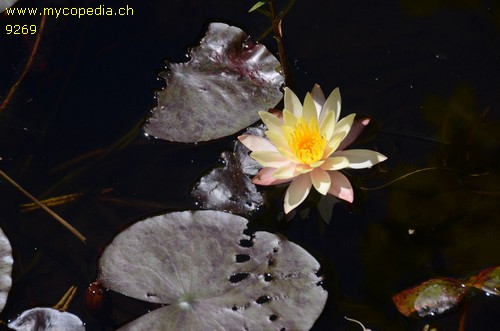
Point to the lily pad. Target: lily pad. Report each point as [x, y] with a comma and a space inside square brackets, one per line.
[6, 262]
[230, 188]
[434, 296]
[488, 280]
[211, 276]
[46, 319]
[218, 91]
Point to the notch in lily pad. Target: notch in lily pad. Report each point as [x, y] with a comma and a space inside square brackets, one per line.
[219, 91]
[191, 263]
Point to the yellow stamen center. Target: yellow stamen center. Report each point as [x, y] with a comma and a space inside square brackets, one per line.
[306, 142]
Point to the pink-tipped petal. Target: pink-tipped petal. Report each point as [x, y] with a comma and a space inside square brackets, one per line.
[270, 159]
[265, 177]
[320, 180]
[340, 187]
[361, 158]
[357, 127]
[256, 143]
[297, 192]
[292, 103]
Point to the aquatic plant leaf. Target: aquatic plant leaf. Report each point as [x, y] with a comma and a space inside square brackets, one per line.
[211, 275]
[218, 91]
[4, 4]
[434, 296]
[46, 319]
[488, 280]
[6, 262]
[257, 5]
[230, 188]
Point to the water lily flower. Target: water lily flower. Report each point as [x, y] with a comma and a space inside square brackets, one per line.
[304, 145]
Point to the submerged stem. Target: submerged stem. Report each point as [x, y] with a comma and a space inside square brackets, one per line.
[278, 35]
[66, 299]
[44, 207]
[403, 177]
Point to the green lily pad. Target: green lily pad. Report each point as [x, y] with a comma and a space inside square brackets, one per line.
[218, 91]
[488, 280]
[211, 276]
[432, 297]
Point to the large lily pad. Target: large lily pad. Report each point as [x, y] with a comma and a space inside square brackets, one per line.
[212, 276]
[218, 91]
[6, 262]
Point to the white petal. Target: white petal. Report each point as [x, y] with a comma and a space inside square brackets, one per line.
[345, 124]
[297, 192]
[318, 97]
[340, 187]
[320, 180]
[333, 104]
[286, 172]
[332, 145]
[272, 122]
[327, 125]
[361, 158]
[335, 163]
[289, 118]
[292, 103]
[270, 159]
[309, 109]
[357, 127]
[277, 139]
[256, 143]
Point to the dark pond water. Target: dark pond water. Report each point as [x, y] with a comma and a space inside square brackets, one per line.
[426, 72]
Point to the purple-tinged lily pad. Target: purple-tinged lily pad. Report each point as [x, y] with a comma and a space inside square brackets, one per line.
[218, 91]
[46, 319]
[6, 262]
[211, 276]
[434, 296]
[230, 188]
